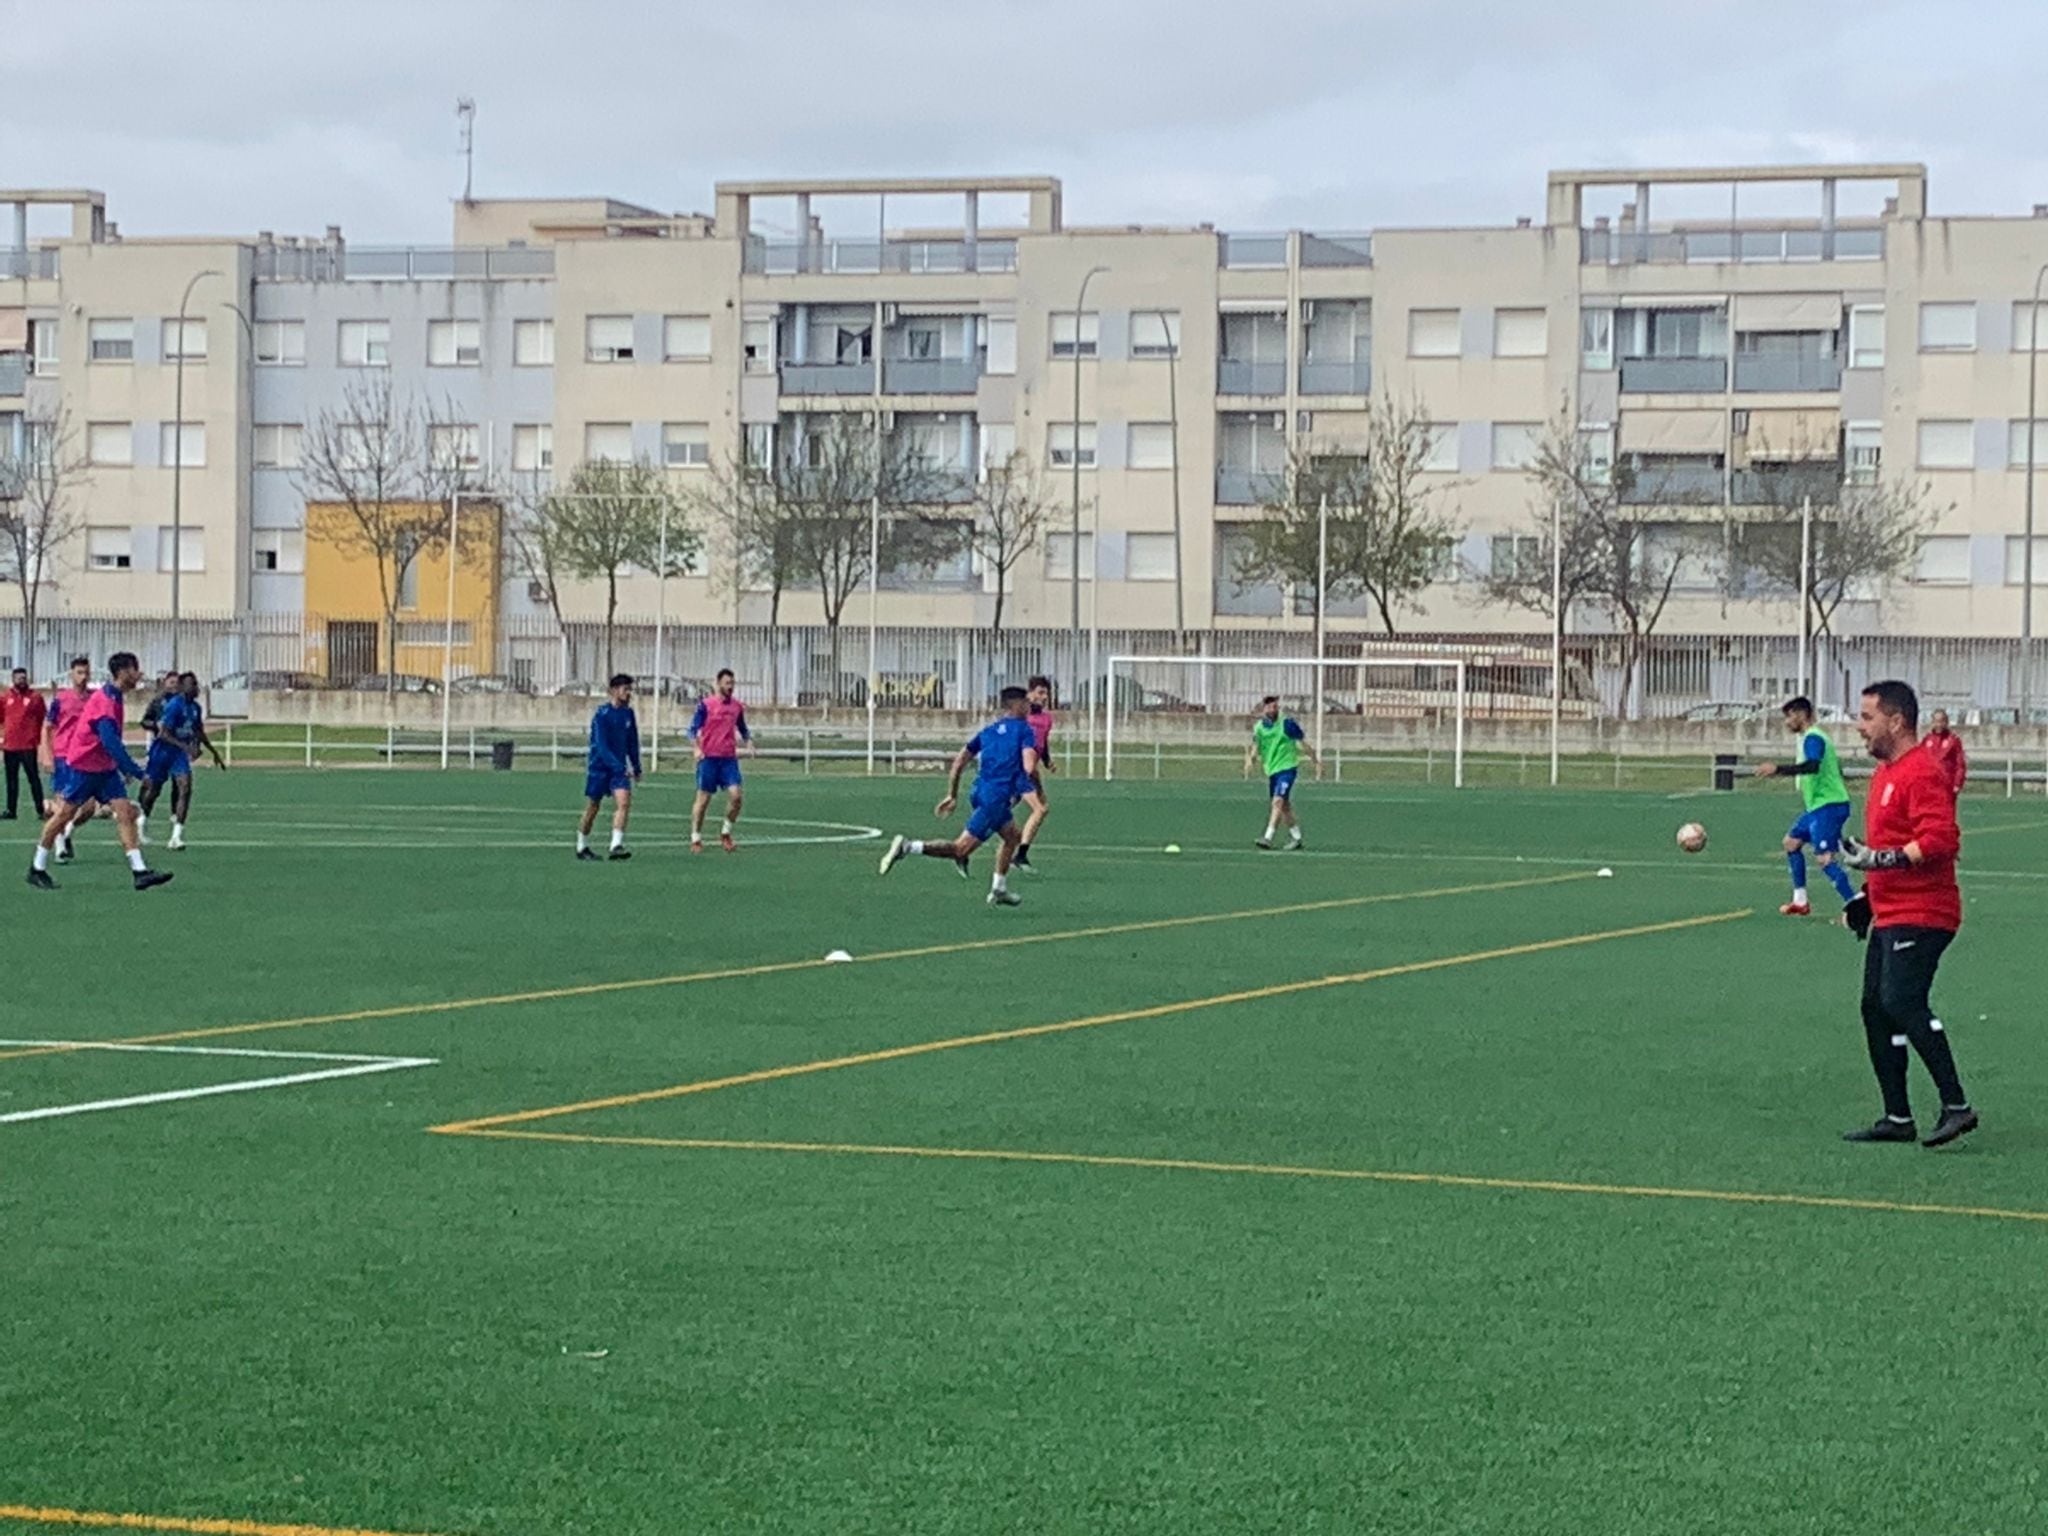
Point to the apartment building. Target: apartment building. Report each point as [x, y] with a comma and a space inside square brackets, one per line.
[1158, 377]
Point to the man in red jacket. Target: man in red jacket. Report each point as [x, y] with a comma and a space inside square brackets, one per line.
[1908, 912]
[21, 733]
[1947, 748]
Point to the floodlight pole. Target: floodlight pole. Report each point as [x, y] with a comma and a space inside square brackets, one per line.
[2027, 538]
[1074, 465]
[448, 623]
[178, 465]
[1322, 600]
[660, 626]
[1556, 631]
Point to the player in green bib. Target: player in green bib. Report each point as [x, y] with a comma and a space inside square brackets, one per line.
[1826, 799]
[1278, 747]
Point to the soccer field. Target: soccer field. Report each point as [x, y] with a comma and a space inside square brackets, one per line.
[1423, 1181]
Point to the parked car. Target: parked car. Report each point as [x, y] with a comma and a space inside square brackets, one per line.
[272, 682]
[489, 682]
[401, 682]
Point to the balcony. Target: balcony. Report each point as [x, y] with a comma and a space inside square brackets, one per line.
[1336, 250]
[828, 378]
[1787, 372]
[928, 376]
[13, 374]
[400, 263]
[1324, 378]
[1786, 485]
[18, 263]
[1235, 376]
[1674, 375]
[946, 485]
[1254, 251]
[788, 258]
[1666, 485]
[1246, 487]
[1620, 247]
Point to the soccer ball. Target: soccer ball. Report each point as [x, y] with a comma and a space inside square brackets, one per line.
[1692, 837]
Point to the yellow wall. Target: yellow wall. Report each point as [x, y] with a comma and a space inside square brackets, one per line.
[342, 586]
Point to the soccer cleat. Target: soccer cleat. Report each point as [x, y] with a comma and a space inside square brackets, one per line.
[586, 855]
[620, 855]
[1022, 860]
[176, 844]
[64, 853]
[1886, 1129]
[1953, 1123]
[895, 854]
[1796, 909]
[150, 879]
[962, 869]
[40, 880]
[1295, 845]
[725, 841]
[1005, 899]
[1265, 843]
[696, 845]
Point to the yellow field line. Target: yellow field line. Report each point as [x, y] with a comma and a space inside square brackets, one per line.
[1093, 1021]
[104, 1521]
[1287, 1171]
[784, 967]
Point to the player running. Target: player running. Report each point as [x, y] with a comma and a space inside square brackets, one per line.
[612, 768]
[1826, 798]
[1038, 693]
[180, 736]
[1008, 758]
[61, 729]
[1278, 746]
[97, 766]
[717, 729]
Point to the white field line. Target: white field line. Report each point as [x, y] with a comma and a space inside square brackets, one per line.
[352, 1066]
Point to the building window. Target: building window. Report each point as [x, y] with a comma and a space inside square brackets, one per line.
[1072, 340]
[608, 338]
[1517, 557]
[1155, 333]
[1862, 452]
[2016, 561]
[760, 446]
[277, 551]
[2024, 337]
[1149, 557]
[110, 341]
[1002, 345]
[1596, 453]
[685, 444]
[275, 446]
[1059, 557]
[2016, 443]
[281, 343]
[533, 447]
[1948, 327]
[1516, 444]
[109, 549]
[1065, 448]
[186, 445]
[1520, 333]
[1433, 333]
[110, 444]
[686, 338]
[1944, 561]
[1866, 336]
[1151, 445]
[454, 343]
[533, 343]
[1440, 451]
[1596, 338]
[188, 542]
[1947, 444]
[365, 343]
[608, 442]
[184, 340]
[42, 347]
[454, 445]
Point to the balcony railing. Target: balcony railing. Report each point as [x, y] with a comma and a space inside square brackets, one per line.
[1246, 487]
[1673, 485]
[1788, 371]
[1322, 378]
[931, 375]
[828, 378]
[1786, 485]
[13, 374]
[1618, 247]
[784, 258]
[1252, 250]
[1234, 376]
[1674, 375]
[1336, 250]
[18, 263]
[401, 263]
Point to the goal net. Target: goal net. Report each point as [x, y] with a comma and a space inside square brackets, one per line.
[1200, 707]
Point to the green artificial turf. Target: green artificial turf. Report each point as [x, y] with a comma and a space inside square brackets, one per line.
[295, 1305]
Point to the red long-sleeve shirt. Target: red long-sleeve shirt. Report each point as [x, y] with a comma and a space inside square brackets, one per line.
[21, 720]
[1947, 748]
[1911, 802]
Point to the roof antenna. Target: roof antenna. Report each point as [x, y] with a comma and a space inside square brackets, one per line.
[465, 111]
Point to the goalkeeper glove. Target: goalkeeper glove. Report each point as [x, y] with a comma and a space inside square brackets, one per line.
[1856, 855]
[1856, 915]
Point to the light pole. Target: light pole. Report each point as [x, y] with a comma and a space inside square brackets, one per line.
[2027, 542]
[1074, 459]
[178, 463]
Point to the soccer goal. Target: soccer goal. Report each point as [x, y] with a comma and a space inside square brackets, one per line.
[1400, 692]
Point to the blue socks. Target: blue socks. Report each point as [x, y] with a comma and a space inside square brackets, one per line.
[1838, 877]
[1798, 862]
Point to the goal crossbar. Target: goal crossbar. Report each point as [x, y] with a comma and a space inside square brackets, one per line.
[1456, 665]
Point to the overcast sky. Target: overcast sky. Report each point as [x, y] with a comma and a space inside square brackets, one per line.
[226, 116]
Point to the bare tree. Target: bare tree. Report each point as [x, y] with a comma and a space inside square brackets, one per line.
[1011, 509]
[612, 516]
[41, 511]
[536, 543]
[1863, 533]
[1389, 529]
[745, 504]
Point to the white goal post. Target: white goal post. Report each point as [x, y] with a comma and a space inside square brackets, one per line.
[1452, 667]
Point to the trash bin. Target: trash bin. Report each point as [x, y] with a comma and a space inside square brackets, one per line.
[1724, 770]
[501, 755]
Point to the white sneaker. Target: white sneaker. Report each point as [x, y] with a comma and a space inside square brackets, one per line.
[1005, 899]
[176, 844]
[895, 854]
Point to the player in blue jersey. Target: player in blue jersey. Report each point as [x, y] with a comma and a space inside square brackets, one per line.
[180, 737]
[1008, 756]
[613, 767]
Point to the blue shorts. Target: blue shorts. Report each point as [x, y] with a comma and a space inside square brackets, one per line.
[988, 818]
[60, 780]
[603, 783]
[165, 763]
[107, 787]
[1281, 785]
[1821, 827]
[716, 773]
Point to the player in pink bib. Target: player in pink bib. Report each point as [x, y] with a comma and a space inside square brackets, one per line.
[717, 729]
[99, 768]
[1040, 719]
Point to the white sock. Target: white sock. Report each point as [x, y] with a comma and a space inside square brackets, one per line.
[1001, 884]
[1294, 834]
[913, 847]
[141, 820]
[177, 830]
[64, 841]
[583, 842]
[725, 827]
[1271, 828]
[42, 858]
[1799, 896]
[135, 860]
[696, 834]
[618, 837]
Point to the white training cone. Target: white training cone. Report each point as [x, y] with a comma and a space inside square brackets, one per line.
[839, 957]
